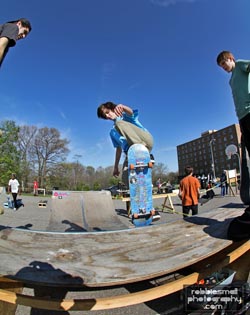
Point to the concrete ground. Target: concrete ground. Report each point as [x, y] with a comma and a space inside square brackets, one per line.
[32, 217]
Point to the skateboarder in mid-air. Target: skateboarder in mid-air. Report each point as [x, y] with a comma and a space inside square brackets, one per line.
[126, 131]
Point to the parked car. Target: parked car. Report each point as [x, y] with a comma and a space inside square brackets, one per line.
[118, 190]
[166, 188]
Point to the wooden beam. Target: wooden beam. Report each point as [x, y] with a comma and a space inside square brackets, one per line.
[11, 286]
[127, 299]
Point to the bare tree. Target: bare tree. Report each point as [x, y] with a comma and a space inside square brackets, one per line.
[159, 170]
[48, 149]
[25, 143]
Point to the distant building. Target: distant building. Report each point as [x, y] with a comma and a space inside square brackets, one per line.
[207, 153]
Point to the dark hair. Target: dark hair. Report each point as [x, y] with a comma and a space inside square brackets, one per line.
[224, 55]
[24, 22]
[107, 105]
[188, 170]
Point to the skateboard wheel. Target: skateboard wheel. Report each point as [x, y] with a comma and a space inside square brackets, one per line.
[150, 164]
[131, 167]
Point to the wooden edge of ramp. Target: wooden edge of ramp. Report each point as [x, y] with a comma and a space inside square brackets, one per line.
[242, 251]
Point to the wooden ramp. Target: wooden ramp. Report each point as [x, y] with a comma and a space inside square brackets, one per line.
[99, 259]
[83, 211]
[3, 199]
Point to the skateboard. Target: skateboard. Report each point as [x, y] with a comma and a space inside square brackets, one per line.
[245, 176]
[140, 185]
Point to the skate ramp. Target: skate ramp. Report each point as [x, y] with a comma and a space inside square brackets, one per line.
[3, 199]
[84, 211]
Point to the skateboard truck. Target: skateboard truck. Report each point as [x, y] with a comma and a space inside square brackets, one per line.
[143, 214]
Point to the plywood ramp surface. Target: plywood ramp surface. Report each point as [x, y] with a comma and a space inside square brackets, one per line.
[96, 259]
[83, 211]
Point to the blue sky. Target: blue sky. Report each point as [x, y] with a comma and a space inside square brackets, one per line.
[157, 56]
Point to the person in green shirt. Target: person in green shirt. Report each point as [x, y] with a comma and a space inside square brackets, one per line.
[240, 86]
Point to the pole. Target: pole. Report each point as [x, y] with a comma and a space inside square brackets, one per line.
[212, 156]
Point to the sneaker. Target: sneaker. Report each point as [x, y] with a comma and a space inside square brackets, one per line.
[156, 216]
[14, 209]
[152, 159]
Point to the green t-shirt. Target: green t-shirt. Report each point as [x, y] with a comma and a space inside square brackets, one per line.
[240, 85]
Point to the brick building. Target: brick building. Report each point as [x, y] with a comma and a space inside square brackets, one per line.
[207, 153]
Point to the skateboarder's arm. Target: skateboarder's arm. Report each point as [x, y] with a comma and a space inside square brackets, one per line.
[4, 41]
[180, 193]
[117, 160]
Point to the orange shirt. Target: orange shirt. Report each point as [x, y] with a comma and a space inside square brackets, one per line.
[189, 187]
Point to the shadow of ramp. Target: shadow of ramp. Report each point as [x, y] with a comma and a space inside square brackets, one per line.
[83, 211]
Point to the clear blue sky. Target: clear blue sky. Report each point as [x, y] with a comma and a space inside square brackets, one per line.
[158, 56]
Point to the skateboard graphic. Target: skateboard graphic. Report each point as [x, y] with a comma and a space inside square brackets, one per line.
[140, 185]
[245, 176]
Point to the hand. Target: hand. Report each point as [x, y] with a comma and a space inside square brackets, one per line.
[116, 172]
[119, 110]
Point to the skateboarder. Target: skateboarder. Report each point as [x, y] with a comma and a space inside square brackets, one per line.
[10, 32]
[126, 131]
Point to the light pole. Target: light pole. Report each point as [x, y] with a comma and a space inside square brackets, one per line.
[238, 156]
[212, 156]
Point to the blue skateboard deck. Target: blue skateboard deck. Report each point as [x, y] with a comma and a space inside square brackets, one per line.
[140, 185]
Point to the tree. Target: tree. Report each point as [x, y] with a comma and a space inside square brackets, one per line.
[48, 150]
[9, 158]
[173, 177]
[25, 143]
[159, 170]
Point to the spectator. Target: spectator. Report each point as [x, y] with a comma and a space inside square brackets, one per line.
[13, 188]
[189, 192]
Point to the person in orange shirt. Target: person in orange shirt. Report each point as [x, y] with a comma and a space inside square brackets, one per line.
[189, 192]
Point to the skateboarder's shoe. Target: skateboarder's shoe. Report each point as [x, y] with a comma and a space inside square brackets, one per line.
[152, 159]
[156, 216]
[238, 229]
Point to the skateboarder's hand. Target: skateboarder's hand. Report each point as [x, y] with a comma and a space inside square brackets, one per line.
[116, 172]
[118, 110]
